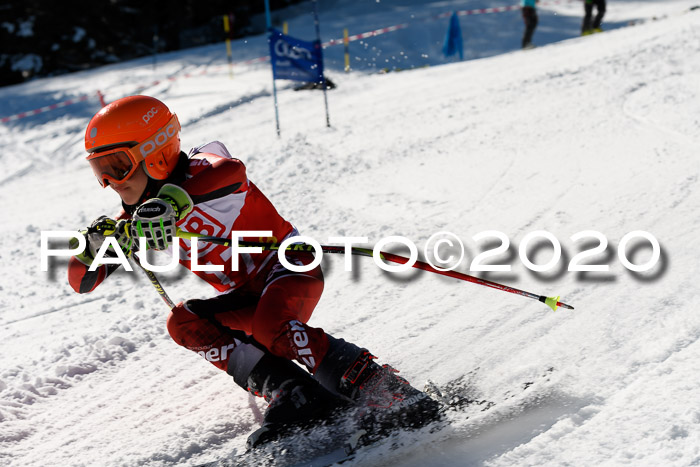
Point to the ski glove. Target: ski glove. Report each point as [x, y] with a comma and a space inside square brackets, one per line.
[155, 219]
[95, 235]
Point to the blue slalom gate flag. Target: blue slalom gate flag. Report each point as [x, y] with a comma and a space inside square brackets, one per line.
[453, 38]
[295, 59]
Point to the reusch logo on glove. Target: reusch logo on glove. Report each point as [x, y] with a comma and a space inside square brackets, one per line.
[152, 210]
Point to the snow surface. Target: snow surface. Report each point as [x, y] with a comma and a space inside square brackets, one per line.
[597, 133]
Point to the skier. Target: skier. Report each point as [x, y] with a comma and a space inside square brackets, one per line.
[529, 12]
[589, 27]
[258, 322]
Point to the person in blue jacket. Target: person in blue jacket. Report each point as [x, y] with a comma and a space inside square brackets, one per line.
[530, 18]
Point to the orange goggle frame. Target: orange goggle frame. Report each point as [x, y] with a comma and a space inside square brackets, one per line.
[116, 165]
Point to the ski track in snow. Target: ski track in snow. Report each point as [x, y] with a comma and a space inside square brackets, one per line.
[588, 133]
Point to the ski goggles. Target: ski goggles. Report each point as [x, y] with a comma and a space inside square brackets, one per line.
[118, 164]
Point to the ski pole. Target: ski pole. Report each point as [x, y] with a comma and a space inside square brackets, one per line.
[156, 283]
[552, 302]
[236, 333]
[151, 276]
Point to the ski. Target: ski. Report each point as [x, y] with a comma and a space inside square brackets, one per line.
[456, 397]
[337, 455]
[340, 455]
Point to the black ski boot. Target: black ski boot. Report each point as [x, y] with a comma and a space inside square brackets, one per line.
[390, 400]
[296, 400]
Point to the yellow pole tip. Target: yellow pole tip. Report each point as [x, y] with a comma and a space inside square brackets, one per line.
[551, 302]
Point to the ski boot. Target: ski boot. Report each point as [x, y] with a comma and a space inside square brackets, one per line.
[390, 401]
[296, 400]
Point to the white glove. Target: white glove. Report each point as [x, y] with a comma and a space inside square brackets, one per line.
[155, 219]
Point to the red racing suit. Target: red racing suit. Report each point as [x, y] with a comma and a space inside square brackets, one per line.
[262, 298]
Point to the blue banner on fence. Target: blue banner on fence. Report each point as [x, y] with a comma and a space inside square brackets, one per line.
[294, 59]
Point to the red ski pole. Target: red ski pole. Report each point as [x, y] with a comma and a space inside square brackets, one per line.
[552, 302]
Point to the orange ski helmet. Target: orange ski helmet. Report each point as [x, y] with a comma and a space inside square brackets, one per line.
[129, 131]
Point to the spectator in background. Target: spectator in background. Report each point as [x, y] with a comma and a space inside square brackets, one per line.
[589, 27]
[530, 19]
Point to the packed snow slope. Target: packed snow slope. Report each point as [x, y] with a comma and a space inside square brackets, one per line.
[598, 133]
